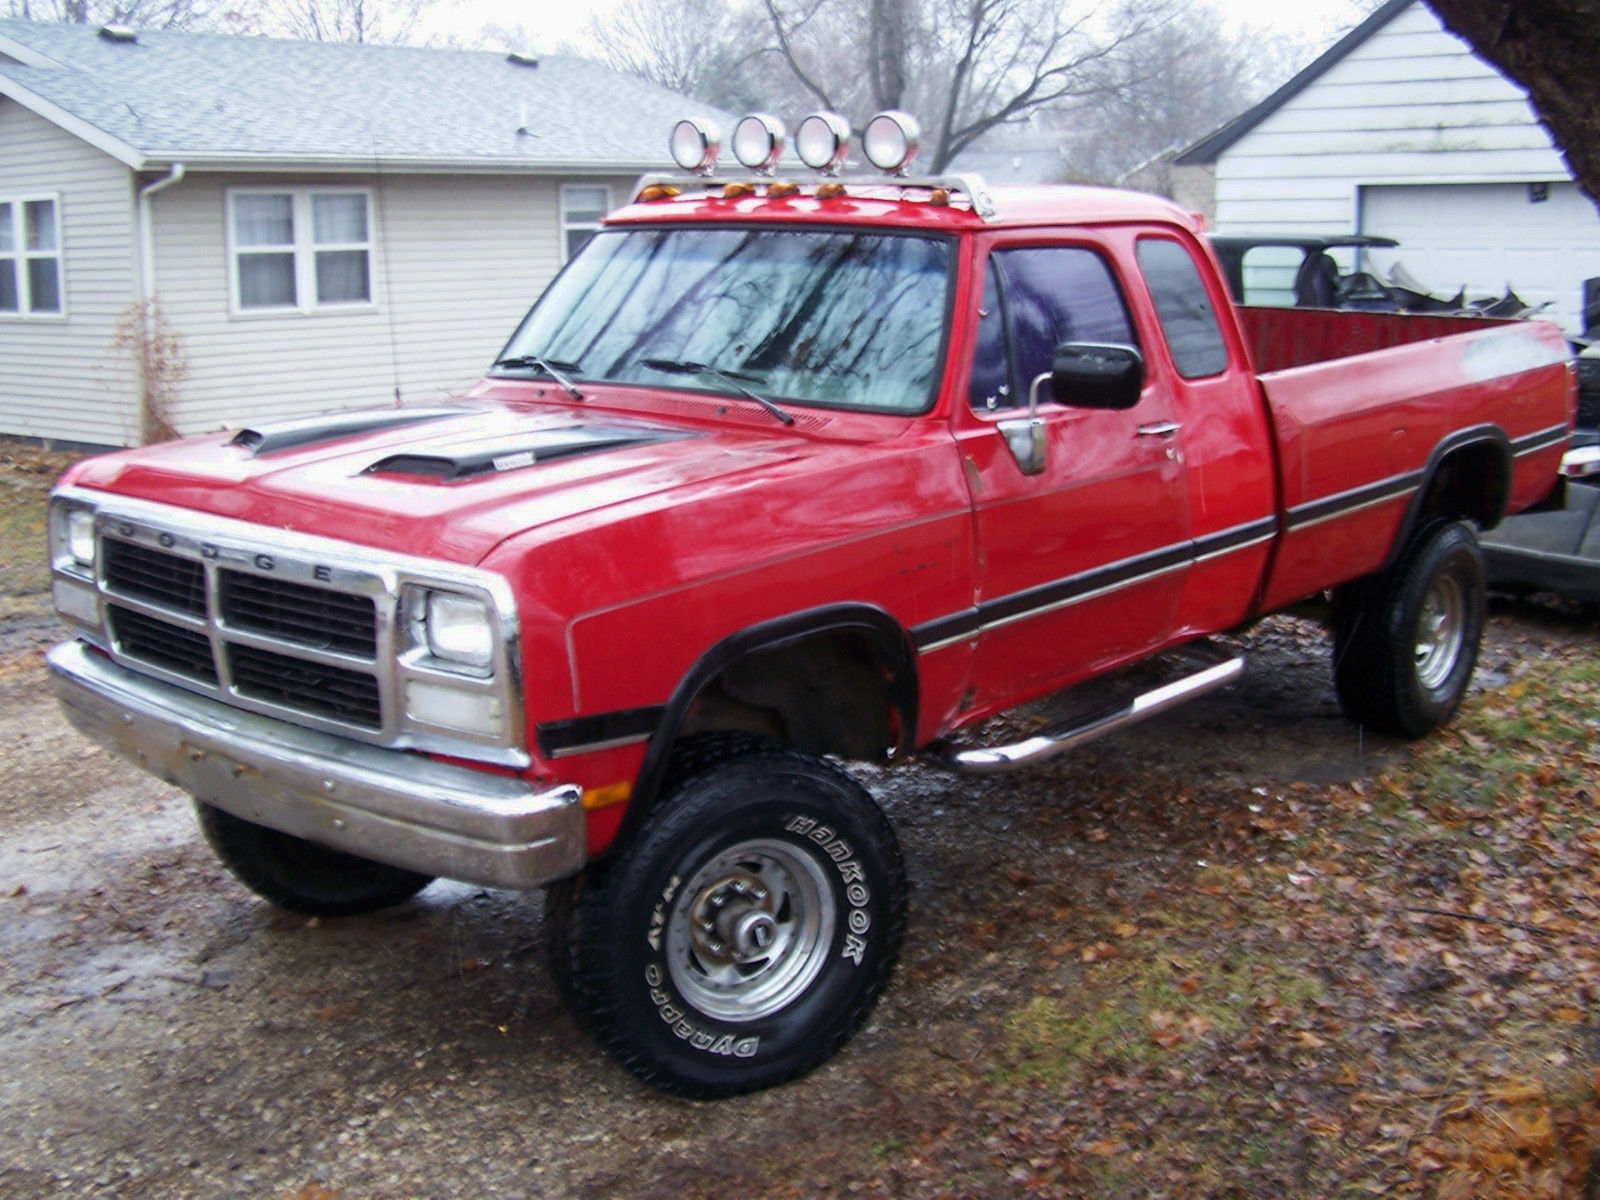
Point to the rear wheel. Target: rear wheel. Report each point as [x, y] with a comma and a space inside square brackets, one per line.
[303, 876]
[746, 932]
[1406, 642]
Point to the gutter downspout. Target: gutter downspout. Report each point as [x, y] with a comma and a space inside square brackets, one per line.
[147, 275]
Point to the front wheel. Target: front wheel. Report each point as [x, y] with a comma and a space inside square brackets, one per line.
[303, 876]
[1406, 644]
[746, 932]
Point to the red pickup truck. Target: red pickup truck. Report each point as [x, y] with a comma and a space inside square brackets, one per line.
[776, 476]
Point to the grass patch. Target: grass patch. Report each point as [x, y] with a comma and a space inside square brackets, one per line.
[27, 474]
[1130, 1013]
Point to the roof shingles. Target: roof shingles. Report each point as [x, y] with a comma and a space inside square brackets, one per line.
[212, 97]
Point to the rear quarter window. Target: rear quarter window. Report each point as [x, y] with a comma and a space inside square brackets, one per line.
[1184, 307]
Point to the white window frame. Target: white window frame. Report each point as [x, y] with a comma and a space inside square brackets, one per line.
[20, 255]
[304, 248]
[567, 225]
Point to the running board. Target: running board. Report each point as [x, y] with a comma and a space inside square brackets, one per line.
[994, 760]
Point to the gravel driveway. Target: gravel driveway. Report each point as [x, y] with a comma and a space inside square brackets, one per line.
[165, 1034]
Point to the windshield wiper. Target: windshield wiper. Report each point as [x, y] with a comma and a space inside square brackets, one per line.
[733, 379]
[552, 367]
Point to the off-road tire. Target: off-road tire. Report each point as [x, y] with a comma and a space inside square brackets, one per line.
[668, 953]
[302, 876]
[691, 756]
[1406, 641]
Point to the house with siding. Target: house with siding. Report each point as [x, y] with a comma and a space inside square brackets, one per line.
[324, 226]
[1400, 131]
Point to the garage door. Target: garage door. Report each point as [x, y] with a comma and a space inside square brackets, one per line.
[1487, 235]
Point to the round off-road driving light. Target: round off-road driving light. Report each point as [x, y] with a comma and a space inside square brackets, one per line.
[891, 141]
[695, 145]
[758, 142]
[823, 142]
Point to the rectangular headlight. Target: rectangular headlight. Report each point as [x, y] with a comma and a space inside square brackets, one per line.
[72, 545]
[80, 536]
[457, 629]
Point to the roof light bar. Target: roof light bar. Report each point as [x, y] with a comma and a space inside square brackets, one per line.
[891, 141]
[695, 145]
[758, 142]
[823, 142]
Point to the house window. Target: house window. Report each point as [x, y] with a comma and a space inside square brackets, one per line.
[300, 250]
[582, 206]
[30, 256]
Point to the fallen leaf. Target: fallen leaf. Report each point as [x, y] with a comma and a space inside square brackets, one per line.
[1105, 1148]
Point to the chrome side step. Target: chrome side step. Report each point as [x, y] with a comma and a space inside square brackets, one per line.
[994, 760]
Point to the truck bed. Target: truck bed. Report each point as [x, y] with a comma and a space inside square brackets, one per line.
[1363, 403]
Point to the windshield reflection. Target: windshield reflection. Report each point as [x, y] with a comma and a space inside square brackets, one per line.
[839, 319]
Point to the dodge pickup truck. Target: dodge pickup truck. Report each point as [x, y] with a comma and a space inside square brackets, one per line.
[779, 474]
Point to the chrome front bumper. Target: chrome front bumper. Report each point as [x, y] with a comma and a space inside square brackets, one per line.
[389, 805]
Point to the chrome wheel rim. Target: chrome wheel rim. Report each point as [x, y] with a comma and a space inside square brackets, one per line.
[1441, 631]
[751, 930]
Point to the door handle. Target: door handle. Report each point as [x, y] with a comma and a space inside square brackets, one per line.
[1159, 429]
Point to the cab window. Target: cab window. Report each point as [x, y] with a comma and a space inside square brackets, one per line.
[1035, 298]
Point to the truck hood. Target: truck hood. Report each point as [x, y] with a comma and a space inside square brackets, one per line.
[449, 482]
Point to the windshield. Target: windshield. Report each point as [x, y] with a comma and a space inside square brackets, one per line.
[837, 319]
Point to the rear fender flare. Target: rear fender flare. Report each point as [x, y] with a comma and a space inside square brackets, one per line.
[1490, 439]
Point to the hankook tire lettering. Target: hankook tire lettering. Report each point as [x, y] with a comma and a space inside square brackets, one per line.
[858, 920]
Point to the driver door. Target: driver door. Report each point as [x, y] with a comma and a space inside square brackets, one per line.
[1081, 565]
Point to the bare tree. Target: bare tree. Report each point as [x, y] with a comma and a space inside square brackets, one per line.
[139, 14]
[666, 43]
[1552, 48]
[966, 67]
[379, 21]
[1183, 76]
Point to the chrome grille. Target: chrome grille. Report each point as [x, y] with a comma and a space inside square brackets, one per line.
[275, 634]
[322, 632]
[327, 691]
[157, 576]
[308, 616]
[163, 644]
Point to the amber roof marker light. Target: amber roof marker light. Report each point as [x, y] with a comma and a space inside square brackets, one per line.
[823, 142]
[891, 141]
[758, 142]
[695, 145]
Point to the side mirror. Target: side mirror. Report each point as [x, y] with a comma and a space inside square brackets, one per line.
[1090, 375]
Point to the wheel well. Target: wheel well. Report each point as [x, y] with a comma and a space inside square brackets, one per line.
[1473, 482]
[1468, 479]
[828, 693]
[840, 680]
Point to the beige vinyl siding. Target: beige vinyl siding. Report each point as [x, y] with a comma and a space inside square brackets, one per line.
[61, 378]
[1411, 104]
[456, 261]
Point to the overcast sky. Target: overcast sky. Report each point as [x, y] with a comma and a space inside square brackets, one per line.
[555, 22]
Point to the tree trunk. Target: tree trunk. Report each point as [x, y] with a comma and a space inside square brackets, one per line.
[1552, 48]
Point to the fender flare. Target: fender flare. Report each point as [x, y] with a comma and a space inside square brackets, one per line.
[1490, 436]
[880, 628]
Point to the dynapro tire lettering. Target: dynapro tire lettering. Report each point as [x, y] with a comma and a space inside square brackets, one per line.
[858, 920]
[724, 1044]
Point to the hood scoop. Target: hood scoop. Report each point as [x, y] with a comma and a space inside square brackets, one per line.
[512, 454]
[310, 431]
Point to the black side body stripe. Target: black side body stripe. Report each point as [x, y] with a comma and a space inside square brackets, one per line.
[582, 734]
